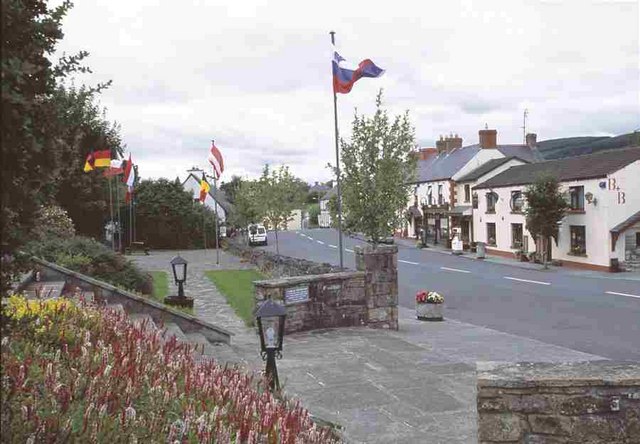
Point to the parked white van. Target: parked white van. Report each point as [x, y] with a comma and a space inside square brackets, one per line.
[257, 234]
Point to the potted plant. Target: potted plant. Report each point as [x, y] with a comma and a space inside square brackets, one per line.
[429, 305]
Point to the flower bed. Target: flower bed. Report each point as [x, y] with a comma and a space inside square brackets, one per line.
[86, 374]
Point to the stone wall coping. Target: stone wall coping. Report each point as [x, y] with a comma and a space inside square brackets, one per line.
[139, 299]
[377, 249]
[297, 280]
[566, 374]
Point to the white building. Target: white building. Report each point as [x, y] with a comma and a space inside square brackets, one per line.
[602, 224]
[436, 195]
[324, 218]
[192, 183]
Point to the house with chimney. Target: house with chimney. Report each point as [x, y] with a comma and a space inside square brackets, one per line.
[215, 199]
[438, 204]
[601, 230]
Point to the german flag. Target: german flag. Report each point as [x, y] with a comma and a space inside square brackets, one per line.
[97, 159]
[204, 189]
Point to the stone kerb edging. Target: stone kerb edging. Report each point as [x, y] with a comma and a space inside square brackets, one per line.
[597, 401]
[133, 303]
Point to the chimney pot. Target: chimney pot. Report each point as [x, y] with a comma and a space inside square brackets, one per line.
[532, 139]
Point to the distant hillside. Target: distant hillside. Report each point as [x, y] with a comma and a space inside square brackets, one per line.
[576, 146]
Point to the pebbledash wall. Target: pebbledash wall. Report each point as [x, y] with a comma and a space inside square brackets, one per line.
[616, 198]
[367, 297]
[586, 402]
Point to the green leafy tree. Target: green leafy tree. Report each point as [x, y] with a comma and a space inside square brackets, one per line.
[279, 193]
[169, 217]
[314, 212]
[545, 209]
[377, 163]
[52, 221]
[245, 206]
[232, 188]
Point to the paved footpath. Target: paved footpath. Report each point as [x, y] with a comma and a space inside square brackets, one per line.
[415, 385]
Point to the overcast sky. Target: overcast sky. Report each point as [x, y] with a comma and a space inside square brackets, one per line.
[256, 75]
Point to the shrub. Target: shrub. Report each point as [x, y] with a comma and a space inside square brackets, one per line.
[87, 374]
[52, 221]
[93, 259]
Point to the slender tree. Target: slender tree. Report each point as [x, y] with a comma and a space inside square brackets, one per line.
[279, 193]
[545, 209]
[377, 163]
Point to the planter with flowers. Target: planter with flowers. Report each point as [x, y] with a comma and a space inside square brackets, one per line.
[429, 305]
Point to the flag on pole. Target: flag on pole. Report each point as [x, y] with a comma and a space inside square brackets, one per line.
[129, 178]
[215, 159]
[115, 168]
[346, 75]
[204, 189]
[97, 159]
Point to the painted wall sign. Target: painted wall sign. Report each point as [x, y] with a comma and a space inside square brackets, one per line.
[295, 295]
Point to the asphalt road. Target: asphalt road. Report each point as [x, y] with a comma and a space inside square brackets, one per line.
[598, 315]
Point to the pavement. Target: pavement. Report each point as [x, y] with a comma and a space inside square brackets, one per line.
[591, 312]
[414, 385]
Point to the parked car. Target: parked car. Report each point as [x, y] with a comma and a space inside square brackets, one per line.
[257, 234]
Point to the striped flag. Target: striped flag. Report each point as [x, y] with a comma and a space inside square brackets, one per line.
[215, 159]
[97, 159]
[129, 178]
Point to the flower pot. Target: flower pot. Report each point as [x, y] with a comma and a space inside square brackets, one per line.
[429, 312]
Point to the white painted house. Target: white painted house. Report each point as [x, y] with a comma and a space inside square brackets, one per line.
[324, 218]
[192, 183]
[436, 194]
[604, 221]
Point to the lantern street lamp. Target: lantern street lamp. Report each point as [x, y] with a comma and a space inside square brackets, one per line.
[271, 316]
[179, 267]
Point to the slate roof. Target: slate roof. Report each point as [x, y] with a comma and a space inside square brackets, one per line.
[218, 195]
[626, 223]
[486, 168]
[445, 165]
[589, 166]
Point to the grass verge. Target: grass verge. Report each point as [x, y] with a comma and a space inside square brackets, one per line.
[237, 288]
[160, 285]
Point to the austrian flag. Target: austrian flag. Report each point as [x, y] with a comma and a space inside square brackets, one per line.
[345, 76]
[215, 159]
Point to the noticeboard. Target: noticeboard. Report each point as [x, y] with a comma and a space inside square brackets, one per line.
[296, 295]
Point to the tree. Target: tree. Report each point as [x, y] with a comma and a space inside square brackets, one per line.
[546, 207]
[377, 163]
[278, 193]
[232, 188]
[245, 205]
[168, 217]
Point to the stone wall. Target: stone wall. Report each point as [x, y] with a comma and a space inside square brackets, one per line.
[367, 297]
[277, 265]
[588, 402]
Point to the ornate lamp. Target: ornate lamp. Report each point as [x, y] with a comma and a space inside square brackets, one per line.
[271, 317]
[179, 267]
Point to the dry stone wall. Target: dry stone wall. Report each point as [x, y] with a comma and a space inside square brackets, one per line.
[589, 402]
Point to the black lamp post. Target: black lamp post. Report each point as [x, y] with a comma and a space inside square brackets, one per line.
[179, 267]
[271, 317]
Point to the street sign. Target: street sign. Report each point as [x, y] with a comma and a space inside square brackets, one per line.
[296, 295]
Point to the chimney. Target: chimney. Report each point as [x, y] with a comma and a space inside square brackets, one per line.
[488, 138]
[441, 145]
[454, 142]
[532, 140]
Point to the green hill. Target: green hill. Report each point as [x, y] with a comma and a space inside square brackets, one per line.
[576, 146]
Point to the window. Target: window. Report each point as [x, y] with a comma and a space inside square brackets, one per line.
[517, 201]
[491, 233]
[474, 201]
[576, 195]
[516, 236]
[467, 193]
[430, 195]
[492, 199]
[440, 196]
[578, 240]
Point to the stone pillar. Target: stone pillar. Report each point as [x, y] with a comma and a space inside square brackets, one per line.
[380, 265]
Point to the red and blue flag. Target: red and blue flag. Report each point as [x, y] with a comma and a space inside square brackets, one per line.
[344, 76]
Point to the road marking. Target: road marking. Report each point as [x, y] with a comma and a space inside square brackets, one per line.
[454, 269]
[623, 294]
[332, 246]
[320, 242]
[408, 262]
[527, 280]
[348, 250]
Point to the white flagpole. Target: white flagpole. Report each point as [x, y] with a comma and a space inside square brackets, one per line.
[215, 192]
[335, 117]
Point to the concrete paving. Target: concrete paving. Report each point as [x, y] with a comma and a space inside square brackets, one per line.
[414, 385]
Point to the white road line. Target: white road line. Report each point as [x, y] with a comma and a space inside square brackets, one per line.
[454, 269]
[348, 250]
[527, 280]
[320, 242]
[332, 246]
[408, 262]
[623, 294]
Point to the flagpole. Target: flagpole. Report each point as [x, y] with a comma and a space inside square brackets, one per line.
[113, 240]
[215, 201]
[335, 116]
[119, 218]
[204, 216]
